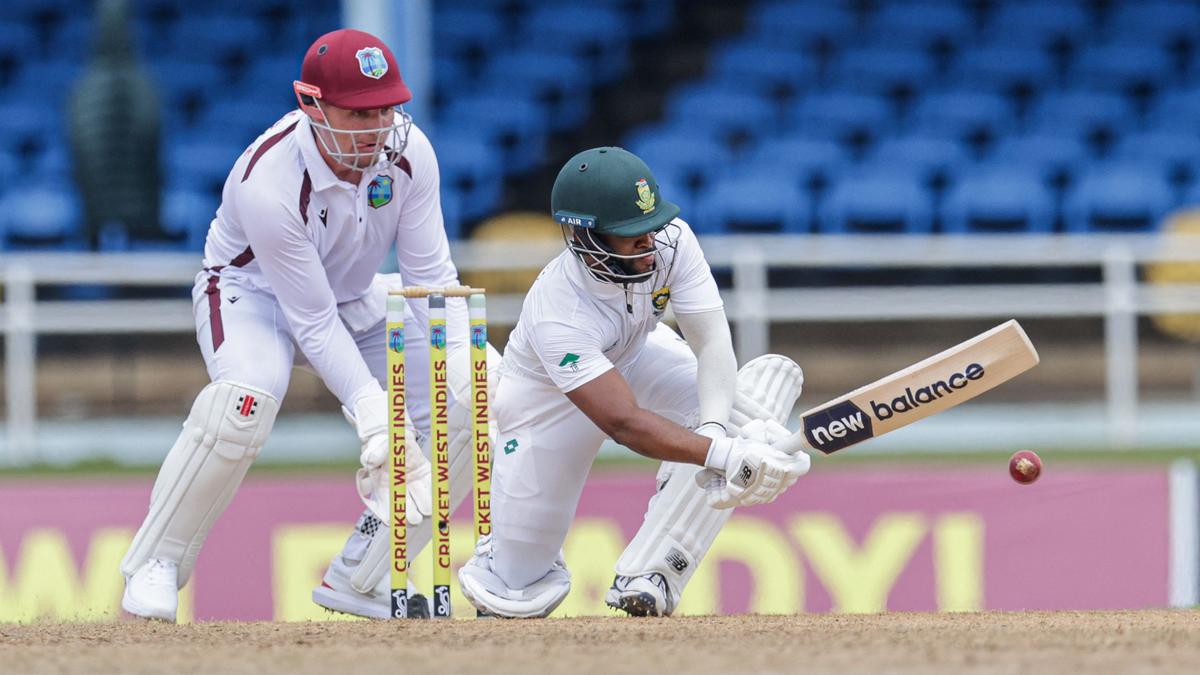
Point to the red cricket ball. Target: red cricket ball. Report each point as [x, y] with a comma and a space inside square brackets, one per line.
[1025, 466]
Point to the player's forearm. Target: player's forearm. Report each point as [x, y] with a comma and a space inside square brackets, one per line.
[658, 438]
[707, 334]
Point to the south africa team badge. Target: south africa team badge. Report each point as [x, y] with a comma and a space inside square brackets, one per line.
[371, 62]
[379, 191]
[396, 340]
[660, 298]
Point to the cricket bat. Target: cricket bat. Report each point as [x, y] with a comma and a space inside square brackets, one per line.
[926, 388]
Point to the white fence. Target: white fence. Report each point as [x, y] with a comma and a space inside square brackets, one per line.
[751, 303]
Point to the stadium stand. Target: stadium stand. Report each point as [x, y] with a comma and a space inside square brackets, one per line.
[825, 98]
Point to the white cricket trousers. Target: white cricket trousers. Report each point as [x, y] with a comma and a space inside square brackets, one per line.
[545, 447]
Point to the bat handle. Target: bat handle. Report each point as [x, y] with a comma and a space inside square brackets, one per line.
[793, 444]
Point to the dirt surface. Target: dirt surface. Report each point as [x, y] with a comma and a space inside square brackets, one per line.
[1041, 642]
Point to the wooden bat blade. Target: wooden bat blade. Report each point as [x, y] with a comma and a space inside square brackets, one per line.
[941, 381]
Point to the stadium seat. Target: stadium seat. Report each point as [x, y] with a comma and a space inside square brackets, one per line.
[1118, 197]
[813, 162]
[1155, 22]
[998, 198]
[852, 119]
[1179, 152]
[1177, 110]
[26, 126]
[933, 160]
[200, 163]
[765, 70]
[559, 80]
[1122, 68]
[515, 127]
[471, 169]
[1055, 160]
[595, 32]
[52, 80]
[754, 202]
[240, 121]
[885, 71]
[453, 202]
[680, 154]
[927, 25]
[1093, 116]
[1032, 22]
[878, 201]
[187, 215]
[467, 31]
[222, 34]
[800, 26]
[1014, 71]
[714, 110]
[41, 216]
[971, 118]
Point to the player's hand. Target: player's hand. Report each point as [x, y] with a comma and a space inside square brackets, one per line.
[753, 472]
[370, 420]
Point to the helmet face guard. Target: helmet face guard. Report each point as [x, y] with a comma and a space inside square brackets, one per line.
[389, 141]
[607, 266]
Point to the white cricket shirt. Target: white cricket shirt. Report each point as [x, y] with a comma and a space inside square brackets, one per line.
[573, 328]
[288, 226]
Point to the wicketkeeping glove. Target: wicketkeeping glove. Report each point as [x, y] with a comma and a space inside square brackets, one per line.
[370, 420]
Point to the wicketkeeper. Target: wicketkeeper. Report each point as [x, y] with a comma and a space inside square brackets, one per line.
[308, 214]
[589, 360]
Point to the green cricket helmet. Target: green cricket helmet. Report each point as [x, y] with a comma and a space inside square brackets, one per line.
[610, 192]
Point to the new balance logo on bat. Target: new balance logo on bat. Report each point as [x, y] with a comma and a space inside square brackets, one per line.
[844, 424]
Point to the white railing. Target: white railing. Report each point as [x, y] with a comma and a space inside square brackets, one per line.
[752, 305]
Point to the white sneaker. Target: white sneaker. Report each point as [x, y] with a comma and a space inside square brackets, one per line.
[337, 595]
[152, 592]
[644, 595]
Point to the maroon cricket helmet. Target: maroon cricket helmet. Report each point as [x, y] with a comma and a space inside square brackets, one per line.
[354, 70]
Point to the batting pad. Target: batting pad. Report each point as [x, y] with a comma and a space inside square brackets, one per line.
[222, 435]
[680, 526]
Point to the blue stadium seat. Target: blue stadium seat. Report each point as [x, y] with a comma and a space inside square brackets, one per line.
[922, 24]
[515, 127]
[764, 69]
[222, 33]
[968, 117]
[932, 160]
[683, 155]
[1035, 22]
[1150, 21]
[885, 71]
[1179, 152]
[1177, 109]
[717, 111]
[754, 202]
[27, 122]
[271, 76]
[801, 25]
[1048, 154]
[999, 198]
[460, 31]
[1121, 67]
[813, 162]
[71, 40]
[471, 169]
[200, 162]
[187, 215]
[41, 216]
[878, 201]
[559, 80]
[1119, 197]
[1084, 114]
[1004, 69]
[53, 81]
[593, 32]
[240, 121]
[854, 119]
[453, 203]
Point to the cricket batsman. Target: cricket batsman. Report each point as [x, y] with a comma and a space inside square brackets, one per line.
[589, 360]
[308, 214]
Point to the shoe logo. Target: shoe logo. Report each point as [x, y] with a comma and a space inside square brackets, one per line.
[324, 215]
[234, 298]
[677, 560]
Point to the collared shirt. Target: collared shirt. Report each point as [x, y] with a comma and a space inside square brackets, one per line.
[287, 225]
[574, 328]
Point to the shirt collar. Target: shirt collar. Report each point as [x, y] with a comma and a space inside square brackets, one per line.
[318, 171]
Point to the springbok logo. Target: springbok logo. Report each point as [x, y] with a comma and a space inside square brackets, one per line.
[645, 200]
